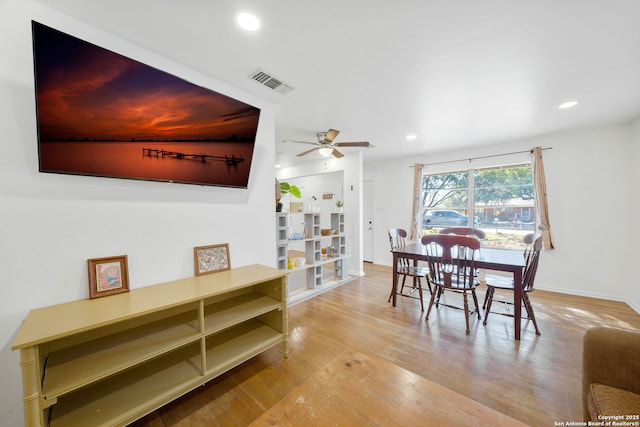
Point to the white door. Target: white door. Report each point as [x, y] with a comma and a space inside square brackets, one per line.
[367, 234]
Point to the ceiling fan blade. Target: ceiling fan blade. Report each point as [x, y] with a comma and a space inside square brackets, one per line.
[337, 154]
[331, 135]
[304, 153]
[300, 142]
[352, 144]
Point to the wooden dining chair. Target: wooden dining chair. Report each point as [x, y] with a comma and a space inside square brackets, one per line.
[464, 231]
[527, 240]
[531, 256]
[452, 268]
[405, 268]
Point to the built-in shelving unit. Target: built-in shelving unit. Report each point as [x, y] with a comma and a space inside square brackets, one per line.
[299, 234]
[110, 361]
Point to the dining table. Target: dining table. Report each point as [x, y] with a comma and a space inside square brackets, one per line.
[505, 260]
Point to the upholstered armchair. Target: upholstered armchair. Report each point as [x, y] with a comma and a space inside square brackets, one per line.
[611, 373]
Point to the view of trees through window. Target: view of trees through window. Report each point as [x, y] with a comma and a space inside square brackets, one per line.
[502, 201]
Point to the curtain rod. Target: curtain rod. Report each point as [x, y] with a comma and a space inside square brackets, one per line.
[480, 157]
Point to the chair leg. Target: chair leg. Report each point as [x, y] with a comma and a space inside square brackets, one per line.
[416, 282]
[429, 284]
[420, 292]
[439, 292]
[529, 308]
[404, 279]
[466, 311]
[391, 293]
[486, 298]
[433, 297]
[526, 306]
[475, 301]
[489, 298]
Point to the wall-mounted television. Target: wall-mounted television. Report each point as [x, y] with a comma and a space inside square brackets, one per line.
[102, 114]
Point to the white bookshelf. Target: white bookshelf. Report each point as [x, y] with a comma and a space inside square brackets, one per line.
[299, 234]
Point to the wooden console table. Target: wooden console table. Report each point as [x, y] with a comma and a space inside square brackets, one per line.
[110, 361]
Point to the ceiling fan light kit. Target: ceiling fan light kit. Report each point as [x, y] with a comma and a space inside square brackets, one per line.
[325, 145]
[325, 151]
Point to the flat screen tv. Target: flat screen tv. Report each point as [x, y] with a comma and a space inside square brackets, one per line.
[103, 114]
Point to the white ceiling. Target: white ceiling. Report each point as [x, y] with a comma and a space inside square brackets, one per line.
[458, 73]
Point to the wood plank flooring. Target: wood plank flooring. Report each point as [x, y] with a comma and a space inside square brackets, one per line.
[358, 388]
[535, 380]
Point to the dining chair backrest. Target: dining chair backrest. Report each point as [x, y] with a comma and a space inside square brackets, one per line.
[529, 238]
[397, 237]
[464, 231]
[451, 259]
[531, 257]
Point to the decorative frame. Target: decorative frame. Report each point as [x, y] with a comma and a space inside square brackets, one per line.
[108, 276]
[211, 259]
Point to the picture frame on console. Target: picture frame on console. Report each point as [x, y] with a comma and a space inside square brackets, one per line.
[108, 276]
[211, 259]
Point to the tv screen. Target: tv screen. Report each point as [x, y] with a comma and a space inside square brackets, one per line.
[103, 114]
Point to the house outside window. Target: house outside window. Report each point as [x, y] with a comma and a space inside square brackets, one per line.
[499, 200]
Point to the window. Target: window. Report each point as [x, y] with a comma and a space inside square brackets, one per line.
[499, 200]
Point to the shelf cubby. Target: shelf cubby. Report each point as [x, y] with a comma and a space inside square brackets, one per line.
[131, 394]
[235, 345]
[74, 367]
[224, 314]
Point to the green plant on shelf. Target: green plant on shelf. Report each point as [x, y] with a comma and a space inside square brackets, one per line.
[286, 188]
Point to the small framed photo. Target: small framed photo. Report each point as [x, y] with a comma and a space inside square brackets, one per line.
[211, 259]
[108, 276]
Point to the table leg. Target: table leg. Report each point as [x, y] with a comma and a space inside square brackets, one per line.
[395, 278]
[517, 302]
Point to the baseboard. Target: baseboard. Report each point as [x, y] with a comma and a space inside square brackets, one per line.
[634, 306]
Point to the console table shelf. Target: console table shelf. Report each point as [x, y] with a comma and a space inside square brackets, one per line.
[112, 360]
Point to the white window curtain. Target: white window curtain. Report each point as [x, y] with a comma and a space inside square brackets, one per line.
[417, 193]
[541, 197]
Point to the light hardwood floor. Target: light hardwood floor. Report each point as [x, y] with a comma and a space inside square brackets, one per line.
[536, 380]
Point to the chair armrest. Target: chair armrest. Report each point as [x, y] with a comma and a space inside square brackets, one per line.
[610, 357]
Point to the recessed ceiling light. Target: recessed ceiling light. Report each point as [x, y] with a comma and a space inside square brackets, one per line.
[247, 20]
[412, 137]
[567, 104]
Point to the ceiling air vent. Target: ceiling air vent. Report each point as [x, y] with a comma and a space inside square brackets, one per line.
[270, 81]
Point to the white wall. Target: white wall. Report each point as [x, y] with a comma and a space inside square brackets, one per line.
[351, 165]
[590, 206]
[51, 224]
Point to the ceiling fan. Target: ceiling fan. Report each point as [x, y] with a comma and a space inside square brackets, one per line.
[325, 145]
